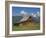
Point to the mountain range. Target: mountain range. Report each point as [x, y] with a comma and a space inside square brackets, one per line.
[16, 19]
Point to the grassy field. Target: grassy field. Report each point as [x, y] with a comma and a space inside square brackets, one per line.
[27, 26]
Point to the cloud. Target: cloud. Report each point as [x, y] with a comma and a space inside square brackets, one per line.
[38, 14]
[34, 15]
[23, 12]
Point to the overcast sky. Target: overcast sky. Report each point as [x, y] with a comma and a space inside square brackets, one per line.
[25, 10]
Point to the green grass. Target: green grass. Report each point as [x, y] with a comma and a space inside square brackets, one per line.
[26, 26]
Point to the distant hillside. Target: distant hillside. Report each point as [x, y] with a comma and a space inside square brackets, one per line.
[36, 19]
[16, 18]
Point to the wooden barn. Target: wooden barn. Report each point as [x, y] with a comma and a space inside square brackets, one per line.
[25, 20]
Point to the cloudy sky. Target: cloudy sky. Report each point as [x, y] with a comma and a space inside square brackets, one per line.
[25, 10]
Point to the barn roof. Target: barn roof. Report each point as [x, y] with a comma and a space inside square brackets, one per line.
[25, 18]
